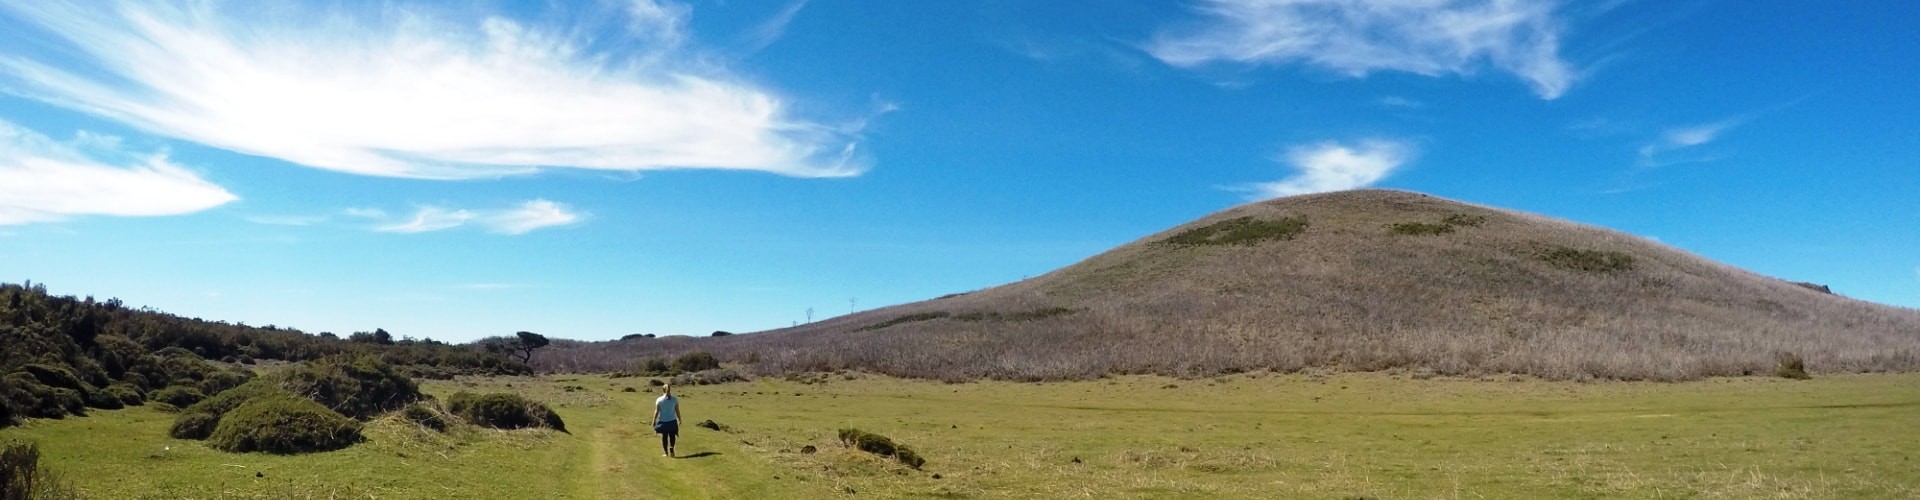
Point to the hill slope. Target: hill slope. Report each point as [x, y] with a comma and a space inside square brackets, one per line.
[1362, 280]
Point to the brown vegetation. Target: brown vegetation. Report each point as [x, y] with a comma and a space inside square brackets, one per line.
[1328, 281]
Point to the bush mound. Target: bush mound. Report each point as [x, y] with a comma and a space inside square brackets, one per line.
[427, 415]
[179, 395]
[359, 387]
[281, 423]
[502, 410]
[880, 445]
[695, 362]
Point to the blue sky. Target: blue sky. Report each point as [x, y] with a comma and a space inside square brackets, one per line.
[593, 169]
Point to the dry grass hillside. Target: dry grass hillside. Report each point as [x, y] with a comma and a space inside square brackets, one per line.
[1358, 280]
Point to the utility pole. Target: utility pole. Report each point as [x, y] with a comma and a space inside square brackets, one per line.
[851, 305]
[809, 315]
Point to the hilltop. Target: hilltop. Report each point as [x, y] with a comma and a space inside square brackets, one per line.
[1358, 280]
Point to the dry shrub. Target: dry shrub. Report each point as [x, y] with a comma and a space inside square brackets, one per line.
[22, 476]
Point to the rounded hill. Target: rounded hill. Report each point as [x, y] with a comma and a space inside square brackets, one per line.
[1361, 280]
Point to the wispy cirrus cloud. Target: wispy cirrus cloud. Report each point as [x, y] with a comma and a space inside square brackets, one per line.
[515, 220]
[1357, 37]
[1332, 166]
[1675, 145]
[43, 180]
[415, 90]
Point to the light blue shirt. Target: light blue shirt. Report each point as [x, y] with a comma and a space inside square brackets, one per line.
[668, 406]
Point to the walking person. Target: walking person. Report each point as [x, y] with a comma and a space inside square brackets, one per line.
[666, 419]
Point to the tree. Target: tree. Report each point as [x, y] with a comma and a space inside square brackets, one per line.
[528, 342]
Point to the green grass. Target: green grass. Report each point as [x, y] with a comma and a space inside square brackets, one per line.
[1256, 435]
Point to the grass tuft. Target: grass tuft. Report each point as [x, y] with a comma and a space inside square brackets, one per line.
[1241, 231]
[1593, 261]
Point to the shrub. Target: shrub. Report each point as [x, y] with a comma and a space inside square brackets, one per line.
[426, 415]
[907, 456]
[655, 366]
[218, 381]
[503, 411]
[21, 475]
[284, 424]
[694, 362]
[716, 376]
[180, 396]
[1464, 220]
[199, 420]
[1240, 231]
[910, 318]
[56, 376]
[194, 425]
[1420, 228]
[358, 387]
[867, 442]
[721, 333]
[1593, 261]
[1792, 366]
[128, 394]
[104, 401]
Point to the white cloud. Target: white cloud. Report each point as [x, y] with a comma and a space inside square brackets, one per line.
[531, 215]
[1330, 166]
[1662, 152]
[429, 218]
[773, 28]
[42, 180]
[1394, 101]
[519, 219]
[413, 92]
[1357, 37]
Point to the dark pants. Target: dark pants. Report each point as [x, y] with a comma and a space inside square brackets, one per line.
[669, 432]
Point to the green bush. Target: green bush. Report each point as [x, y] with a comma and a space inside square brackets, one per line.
[284, 424]
[30, 398]
[426, 415]
[1593, 261]
[1241, 231]
[104, 401]
[907, 456]
[867, 442]
[359, 387]
[218, 381]
[194, 425]
[503, 411]
[695, 361]
[199, 420]
[880, 445]
[128, 394]
[56, 376]
[655, 366]
[178, 395]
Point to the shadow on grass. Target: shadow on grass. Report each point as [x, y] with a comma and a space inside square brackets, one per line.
[703, 454]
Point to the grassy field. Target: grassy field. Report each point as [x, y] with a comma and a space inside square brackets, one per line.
[1255, 435]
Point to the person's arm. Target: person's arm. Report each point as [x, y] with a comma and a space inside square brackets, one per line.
[676, 411]
[656, 414]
